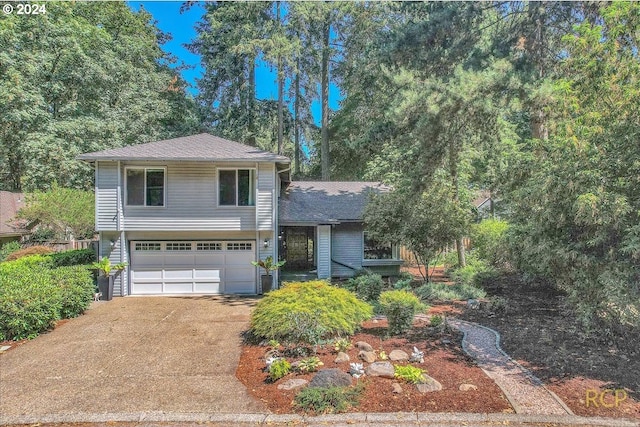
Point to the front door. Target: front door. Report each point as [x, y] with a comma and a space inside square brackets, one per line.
[298, 248]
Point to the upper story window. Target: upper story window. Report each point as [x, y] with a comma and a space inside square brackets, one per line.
[236, 187]
[145, 186]
[376, 250]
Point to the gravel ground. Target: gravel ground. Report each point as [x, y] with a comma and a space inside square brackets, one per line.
[526, 392]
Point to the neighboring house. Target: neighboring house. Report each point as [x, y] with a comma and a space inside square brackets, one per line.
[189, 215]
[321, 230]
[10, 229]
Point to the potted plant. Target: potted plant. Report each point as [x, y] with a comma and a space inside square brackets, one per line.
[106, 276]
[269, 266]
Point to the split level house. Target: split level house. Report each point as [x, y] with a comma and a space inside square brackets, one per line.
[189, 215]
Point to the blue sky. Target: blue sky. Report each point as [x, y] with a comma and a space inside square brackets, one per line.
[182, 29]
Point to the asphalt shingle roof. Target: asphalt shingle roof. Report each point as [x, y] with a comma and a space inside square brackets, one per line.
[322, 202]
[10, 204]
[201, 147]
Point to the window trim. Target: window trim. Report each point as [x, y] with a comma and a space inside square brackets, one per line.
[254, 187]
[145, 168]
[395, 255]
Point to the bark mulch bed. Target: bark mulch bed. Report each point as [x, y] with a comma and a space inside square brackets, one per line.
[444, 361]
[539, 331]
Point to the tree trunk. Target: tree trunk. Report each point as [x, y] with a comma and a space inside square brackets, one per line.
[251, 126]
[280, 94]
[296, 130]
[453, 170]
[324, 133]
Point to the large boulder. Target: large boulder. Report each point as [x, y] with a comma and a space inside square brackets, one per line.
[333, 377]
[292, 384]
[342, 357]
[367, 356]
[428, 384]
[398, 356]
[361, 345]
[380, 369]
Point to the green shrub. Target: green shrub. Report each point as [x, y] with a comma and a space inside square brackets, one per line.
[39, 262]
[367, 286]
[310, 364]
[400, 307]
[31, 250]
[33, 296]
[436, 320]
[409, 373]
[73, 257]
[330, 400]
[30, 303]
[432, 292]
[76, 289]
[489, 239]
[342, 344]
[403, 284]
[286, 313]
[278, 369]
[7, 249]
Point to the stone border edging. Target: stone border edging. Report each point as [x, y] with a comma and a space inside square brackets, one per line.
[394, 419]
[526, 371]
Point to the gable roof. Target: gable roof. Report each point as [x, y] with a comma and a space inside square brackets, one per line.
[10, 204]
[202, 147]
[322, 202]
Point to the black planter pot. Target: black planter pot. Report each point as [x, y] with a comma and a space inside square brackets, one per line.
[105, 286]
[267, 283]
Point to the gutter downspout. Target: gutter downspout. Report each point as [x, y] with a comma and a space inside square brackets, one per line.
[119, 212]
[257, 269]
[276, 218]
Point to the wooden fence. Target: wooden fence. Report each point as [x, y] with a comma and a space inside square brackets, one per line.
[65, 245]
[410, 259]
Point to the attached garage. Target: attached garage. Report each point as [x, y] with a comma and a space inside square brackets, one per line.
[192, 267]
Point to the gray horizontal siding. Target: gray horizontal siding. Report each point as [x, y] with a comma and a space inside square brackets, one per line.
[191, 200]
[266, 187]
[106, 196]
[346, 246]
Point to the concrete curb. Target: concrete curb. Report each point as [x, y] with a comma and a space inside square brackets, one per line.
[526, 371]
[351, 419]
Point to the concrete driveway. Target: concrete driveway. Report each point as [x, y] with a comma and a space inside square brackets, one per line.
[133, 355]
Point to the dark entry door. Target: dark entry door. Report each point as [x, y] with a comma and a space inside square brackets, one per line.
[299, 248]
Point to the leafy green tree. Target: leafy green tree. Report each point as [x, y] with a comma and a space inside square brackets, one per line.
[65, 211]
[576, 214]
[82, 77]
[425, 223]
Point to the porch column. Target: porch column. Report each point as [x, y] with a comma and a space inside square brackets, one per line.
[324, 251]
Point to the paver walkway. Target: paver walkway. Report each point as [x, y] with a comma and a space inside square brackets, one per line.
[526, 393]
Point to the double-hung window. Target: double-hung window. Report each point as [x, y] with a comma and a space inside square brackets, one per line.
[145, 186]
[236, 187]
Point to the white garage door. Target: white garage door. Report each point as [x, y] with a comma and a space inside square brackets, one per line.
[192, 267]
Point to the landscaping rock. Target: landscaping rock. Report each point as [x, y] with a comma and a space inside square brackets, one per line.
[396, 388]
[361, 345]
[271, 354]
[4, 348]
[292, 384]
[398, 356]
[334, 377]
[381, 369]
[428, 385]
[342, 358]
[367, 356]
[467, 387]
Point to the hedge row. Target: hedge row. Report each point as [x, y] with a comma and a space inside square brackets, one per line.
[34, 295]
